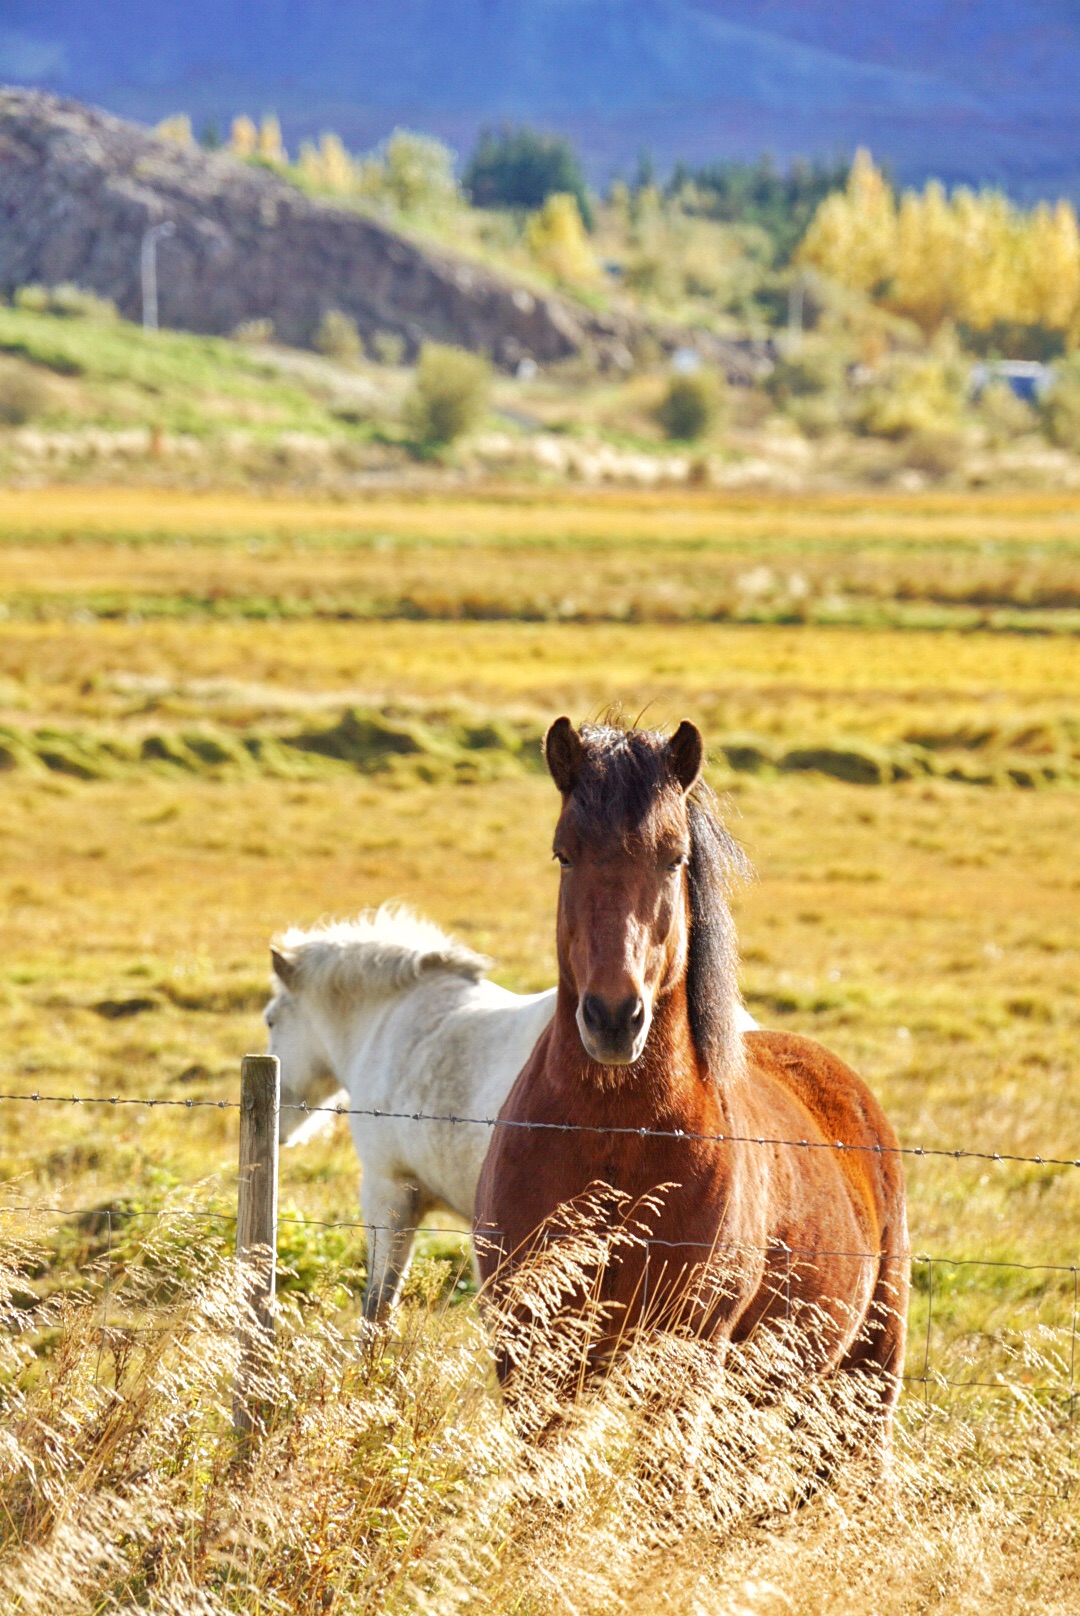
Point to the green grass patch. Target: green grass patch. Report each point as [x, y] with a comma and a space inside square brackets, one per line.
[373, 741]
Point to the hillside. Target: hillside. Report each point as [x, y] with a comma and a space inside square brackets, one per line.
[874, 391]
[975, 92]
[78, 189]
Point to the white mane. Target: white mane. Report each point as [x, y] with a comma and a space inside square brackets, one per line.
[383, 950]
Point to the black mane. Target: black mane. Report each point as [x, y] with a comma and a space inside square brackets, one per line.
[712, 980]
[624, 773]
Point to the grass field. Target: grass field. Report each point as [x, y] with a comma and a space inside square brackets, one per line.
[925, 927]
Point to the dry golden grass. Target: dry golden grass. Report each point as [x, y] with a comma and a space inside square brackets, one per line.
[130, 515]
[927, 931]
[384, 1478]
[781, 680]
[639, 558]
[922, 934]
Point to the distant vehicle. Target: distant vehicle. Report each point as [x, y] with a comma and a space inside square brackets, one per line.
[1027, 379]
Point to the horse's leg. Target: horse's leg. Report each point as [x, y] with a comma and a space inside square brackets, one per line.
[391, 1209]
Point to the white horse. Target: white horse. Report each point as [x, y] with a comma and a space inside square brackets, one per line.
[403, 1018]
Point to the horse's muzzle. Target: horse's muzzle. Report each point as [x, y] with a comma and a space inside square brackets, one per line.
[613, 1034]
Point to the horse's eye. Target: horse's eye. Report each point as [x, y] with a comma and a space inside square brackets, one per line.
[561, 859]
[679, 863]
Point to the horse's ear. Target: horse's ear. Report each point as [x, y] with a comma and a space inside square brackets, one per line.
[686, 754]
[564, 752]
[284, 967]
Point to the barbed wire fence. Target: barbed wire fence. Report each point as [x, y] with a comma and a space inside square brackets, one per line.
[257, 1220]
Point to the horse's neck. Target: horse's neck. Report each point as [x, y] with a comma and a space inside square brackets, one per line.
[347, 1025]
[397, 1021]
[667, 1083]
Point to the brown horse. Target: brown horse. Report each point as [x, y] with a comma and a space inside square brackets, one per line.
[646, 1062]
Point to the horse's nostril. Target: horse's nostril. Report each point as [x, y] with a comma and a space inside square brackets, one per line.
[637, 1015]
[592, 1012]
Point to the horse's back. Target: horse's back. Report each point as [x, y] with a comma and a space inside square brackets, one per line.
[482, 1042]
[837, 1108]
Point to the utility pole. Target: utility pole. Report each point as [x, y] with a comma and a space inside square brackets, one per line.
[148, 268]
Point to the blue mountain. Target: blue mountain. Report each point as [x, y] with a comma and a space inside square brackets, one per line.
[972, 90]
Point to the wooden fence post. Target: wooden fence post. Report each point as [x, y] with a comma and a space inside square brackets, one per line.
[256, 1220]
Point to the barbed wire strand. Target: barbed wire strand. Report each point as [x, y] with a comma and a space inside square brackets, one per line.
[840, 1145]
[210, 1212]
[1067, 1390]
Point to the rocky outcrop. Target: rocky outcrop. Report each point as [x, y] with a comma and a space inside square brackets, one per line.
[79, 188]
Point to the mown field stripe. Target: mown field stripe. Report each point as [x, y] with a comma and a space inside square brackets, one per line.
[137, 515]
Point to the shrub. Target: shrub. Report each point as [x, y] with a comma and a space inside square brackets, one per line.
[1059, 408]
[23, 393]
[338, 338]
[254, 331]
[1003, 414]
[66, 300]
[809, 384]
[33, 298]
[814, 367]
[388, 347]
[75, 302]
[519, 168]
[818, 414]
[652, 274]
[691, 405]
[937, 452]
[449, 394]
[920, 397]
[417, 172]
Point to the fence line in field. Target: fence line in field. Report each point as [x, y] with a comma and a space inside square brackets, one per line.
[214, 1214]
[921, 1152]
[257, 1217]
[926, 1377]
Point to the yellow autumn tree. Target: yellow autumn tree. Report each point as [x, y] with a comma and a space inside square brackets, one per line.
[1052, 268]
[990, 270]
[973, 258]
[852, 236]
[328, 166]
[243, 137]
[177, 129]
[557, 240]
[307, 163]
[270, 146]
[922, 275]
